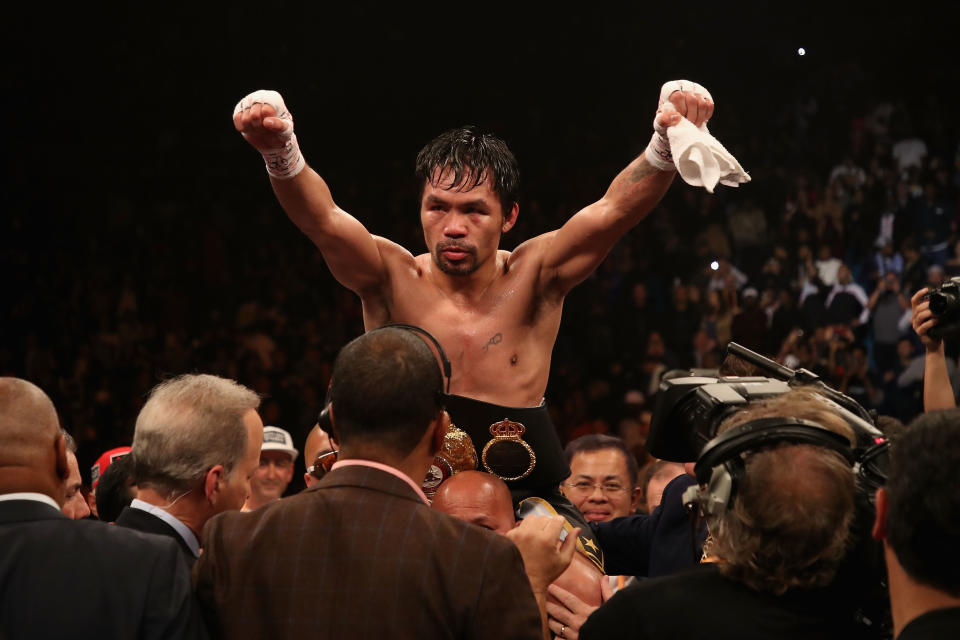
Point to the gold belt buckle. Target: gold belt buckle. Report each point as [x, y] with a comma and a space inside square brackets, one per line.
[508, 434]
[457, 454]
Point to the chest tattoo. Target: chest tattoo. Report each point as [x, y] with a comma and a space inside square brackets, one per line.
[495, 340]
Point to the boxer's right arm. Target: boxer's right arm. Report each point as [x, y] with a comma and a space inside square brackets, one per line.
[349, 250]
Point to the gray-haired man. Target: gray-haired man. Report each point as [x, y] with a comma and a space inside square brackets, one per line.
[196, 445]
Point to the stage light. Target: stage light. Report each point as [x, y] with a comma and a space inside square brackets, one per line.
[801, 51]
[714, 265]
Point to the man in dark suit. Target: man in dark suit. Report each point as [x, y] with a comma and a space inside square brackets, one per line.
[361, 553]
[195, 446]
[82, 579]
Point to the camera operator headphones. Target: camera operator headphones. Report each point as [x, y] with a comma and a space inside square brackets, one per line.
[324, 418]
[721, 466]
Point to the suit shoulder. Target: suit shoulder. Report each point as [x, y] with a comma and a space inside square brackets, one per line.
[113, 537]
[97, 539]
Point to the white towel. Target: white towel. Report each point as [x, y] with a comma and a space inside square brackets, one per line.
[700, 158]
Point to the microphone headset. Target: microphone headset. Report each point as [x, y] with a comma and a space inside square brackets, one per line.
[721, 466]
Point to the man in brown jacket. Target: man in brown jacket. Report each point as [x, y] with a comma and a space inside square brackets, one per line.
[362, 554]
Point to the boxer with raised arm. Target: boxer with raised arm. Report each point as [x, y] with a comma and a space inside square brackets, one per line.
[496, 312]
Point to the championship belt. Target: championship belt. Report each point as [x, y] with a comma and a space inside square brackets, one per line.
[508, 456]
[457, 454]
[519, 445]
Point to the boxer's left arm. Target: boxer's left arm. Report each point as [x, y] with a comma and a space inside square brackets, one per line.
[580, 245]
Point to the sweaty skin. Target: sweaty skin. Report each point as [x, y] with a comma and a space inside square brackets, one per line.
[496, 313]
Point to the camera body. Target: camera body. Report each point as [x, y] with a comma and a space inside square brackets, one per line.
[690, 408]
[945, 307]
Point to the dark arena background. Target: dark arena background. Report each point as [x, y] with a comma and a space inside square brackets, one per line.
[140, 239]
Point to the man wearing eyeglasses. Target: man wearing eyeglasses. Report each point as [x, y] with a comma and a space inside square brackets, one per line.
[603, 480]
[604, 485]
[275, 472]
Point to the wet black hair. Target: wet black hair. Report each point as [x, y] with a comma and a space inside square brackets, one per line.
[474, 157]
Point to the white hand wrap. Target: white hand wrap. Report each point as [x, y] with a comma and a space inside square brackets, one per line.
[658, 151]
[283, 162]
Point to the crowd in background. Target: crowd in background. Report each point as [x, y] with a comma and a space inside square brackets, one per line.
[852, 208]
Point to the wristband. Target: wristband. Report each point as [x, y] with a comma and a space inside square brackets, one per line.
[283, 162]
[658, 151]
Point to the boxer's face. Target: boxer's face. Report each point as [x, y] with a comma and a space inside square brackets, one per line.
[462, 228]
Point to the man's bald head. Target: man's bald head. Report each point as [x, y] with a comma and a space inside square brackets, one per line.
[28, 421]
[479, 498]
[32, 450]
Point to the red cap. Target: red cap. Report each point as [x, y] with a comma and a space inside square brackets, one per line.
[103, 462]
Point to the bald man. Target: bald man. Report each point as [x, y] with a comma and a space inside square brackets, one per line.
[478, 498]
[93, 579]
[484, 500]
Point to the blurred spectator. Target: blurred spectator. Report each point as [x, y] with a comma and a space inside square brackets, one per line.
[749, 326]
[726, 276]
[909, 151]
[887, 260]
[887, 306]
[656, 477]
[847, 301]
[914, 267]
[273, 475]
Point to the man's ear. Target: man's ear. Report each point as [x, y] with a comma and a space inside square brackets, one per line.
[636, 496]
[510, 219]
[882, 503]
[211, 483]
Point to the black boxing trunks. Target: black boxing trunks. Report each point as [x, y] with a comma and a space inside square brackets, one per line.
[520, 446]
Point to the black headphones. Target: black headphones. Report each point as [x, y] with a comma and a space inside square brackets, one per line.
[324, 418]
[721, 467]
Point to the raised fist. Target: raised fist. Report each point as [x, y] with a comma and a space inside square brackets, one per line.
[266, 123]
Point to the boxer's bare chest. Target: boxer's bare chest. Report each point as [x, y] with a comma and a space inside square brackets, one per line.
[499, 340]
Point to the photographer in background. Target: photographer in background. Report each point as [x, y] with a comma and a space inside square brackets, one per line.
[938, 388]
[779, 542]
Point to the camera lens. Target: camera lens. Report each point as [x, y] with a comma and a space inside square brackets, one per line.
[939, 303]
